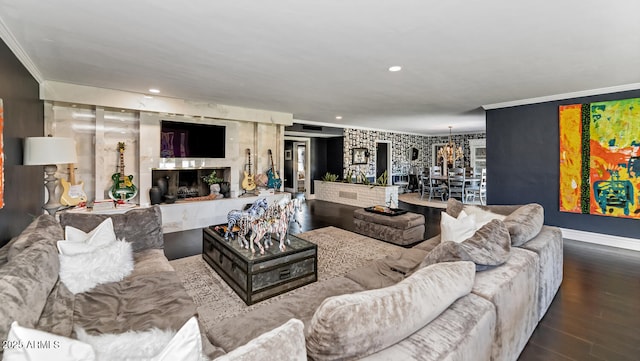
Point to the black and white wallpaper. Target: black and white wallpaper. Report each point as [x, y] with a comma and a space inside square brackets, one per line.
[401, 145]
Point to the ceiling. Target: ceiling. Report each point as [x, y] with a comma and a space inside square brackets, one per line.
[321, 59]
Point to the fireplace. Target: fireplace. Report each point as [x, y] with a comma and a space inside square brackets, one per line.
[187, 183]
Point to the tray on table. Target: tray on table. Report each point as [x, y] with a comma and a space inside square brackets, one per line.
[387, 211]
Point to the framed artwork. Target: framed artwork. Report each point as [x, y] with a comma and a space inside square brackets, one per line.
[1, 156]
[435, 160]
[360, 156]
[600, 158]
[288, 154]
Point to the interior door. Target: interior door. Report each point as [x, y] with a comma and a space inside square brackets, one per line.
[382, 158]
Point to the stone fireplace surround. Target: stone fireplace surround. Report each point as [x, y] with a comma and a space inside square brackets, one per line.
[187, 182]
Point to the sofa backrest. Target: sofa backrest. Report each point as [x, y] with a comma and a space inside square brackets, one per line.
[142, 227]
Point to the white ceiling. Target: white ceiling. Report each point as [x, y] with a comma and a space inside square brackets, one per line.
[318, 59]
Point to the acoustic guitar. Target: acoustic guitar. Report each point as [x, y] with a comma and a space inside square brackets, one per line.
[274, 179]
[123, 189]
[248, 182]
[72, 192]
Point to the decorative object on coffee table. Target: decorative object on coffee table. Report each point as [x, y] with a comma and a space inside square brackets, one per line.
[387, 211]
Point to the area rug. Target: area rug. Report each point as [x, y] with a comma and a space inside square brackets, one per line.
[414, 198]
[339, 252]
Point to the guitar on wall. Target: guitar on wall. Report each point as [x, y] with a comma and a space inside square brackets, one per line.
[73, 193]
[248, 182]
[274, 179]
[123, 189]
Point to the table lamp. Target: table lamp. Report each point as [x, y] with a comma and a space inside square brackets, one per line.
[49, 151]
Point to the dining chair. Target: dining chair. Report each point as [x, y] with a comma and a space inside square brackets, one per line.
[478, 189]
[456, 182]
[434, 186]
[483, 187]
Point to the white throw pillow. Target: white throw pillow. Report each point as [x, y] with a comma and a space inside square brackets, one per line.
[483, 216]
[111, 263]
[457, 229]
[77, 241]
[26, 344]
[151, 345]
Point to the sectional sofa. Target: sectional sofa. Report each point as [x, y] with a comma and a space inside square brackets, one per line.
[403, 307]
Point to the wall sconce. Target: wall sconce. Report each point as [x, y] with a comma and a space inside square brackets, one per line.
[49, 151]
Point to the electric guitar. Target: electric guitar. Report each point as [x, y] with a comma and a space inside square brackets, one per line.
[274, 179]
[122, 189]
[73, 193]
[248, 182]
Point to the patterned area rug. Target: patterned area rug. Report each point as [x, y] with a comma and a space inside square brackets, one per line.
[339, 252]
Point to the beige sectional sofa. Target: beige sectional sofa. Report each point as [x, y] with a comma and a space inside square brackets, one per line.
[390, 309]
[492, 321]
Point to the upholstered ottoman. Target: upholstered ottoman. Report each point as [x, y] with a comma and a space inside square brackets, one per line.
[402, 230]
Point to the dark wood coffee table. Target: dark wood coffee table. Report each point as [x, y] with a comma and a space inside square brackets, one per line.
[255, 277]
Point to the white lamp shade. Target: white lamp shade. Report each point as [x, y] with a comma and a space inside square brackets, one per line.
[49, 150]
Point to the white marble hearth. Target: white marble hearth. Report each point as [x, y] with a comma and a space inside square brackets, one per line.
[187, 215]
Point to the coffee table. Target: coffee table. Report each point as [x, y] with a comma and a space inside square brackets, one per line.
[254, 276]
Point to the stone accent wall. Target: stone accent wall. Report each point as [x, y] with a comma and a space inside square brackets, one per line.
[356, 194]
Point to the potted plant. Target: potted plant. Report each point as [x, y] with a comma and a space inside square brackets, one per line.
[214, 182]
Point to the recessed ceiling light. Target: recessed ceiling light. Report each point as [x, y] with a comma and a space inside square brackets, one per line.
[154, 91]
[395, 68]
[339, 117]
[148, 97]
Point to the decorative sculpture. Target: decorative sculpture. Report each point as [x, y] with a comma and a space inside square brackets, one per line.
[261, 221]
[253, 212]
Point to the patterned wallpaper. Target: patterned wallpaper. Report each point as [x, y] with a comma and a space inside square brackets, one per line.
[401, 144]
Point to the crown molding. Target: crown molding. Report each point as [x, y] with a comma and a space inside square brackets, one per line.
[549, 98]
[19, 52]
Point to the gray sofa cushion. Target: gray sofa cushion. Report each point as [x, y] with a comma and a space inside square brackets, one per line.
[282, 343]
[388, 270]
[358, 324]
[525, 223]
[142, 227]
[488, 247]
[464, 331]
[26, 281]
[301, 303]
[43, 227]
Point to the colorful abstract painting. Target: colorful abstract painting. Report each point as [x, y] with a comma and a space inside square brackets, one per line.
[1, 155]
[600, 158]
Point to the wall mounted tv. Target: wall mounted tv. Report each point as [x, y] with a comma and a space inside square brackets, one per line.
[191, 140]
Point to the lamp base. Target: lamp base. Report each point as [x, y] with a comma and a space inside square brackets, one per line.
[50, 182]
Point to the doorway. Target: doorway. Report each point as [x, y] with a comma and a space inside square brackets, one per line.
[300, 167]
[383, 159]
[297, 168]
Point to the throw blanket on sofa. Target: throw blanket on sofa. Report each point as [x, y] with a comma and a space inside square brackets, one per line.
[490, 246]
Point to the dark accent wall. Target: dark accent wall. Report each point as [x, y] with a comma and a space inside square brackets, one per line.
[326, 156]
[23, 117]
[523, 158]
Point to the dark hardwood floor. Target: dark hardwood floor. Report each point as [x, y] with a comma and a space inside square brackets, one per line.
[595, 315]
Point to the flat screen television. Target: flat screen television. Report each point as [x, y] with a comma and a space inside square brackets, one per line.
[191, 140]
